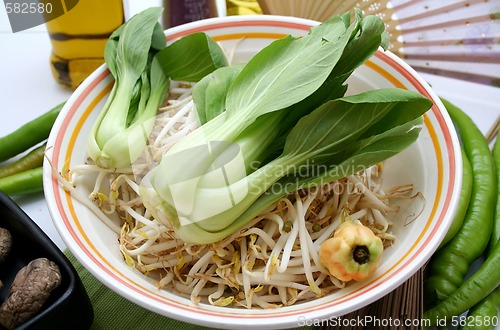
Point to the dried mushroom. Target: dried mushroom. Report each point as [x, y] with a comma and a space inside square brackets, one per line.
[5, 243]
[30, 289]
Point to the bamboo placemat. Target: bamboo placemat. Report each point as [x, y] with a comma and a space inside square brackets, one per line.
[400, 309]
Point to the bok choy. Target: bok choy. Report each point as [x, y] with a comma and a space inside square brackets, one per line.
[278, 124]
[142, 66]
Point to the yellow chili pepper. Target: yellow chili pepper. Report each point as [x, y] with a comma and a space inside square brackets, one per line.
[353, 253]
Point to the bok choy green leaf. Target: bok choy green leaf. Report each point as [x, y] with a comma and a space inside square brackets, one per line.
[191, 58]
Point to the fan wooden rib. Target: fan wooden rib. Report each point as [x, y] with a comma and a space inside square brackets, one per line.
[455, 38]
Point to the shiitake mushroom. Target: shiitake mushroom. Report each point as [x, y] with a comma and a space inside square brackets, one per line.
[29, 290]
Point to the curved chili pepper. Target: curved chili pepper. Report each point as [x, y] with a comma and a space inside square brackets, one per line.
[472, 291]
[449, 266]
[27, 182]
[463, 202]
[31, 160]
[484, 314]
[29, 134]
[495, 233]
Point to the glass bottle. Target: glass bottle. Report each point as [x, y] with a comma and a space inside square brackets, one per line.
[78, 38]
[178, 12]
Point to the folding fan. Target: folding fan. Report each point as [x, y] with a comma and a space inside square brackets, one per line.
[455, 38]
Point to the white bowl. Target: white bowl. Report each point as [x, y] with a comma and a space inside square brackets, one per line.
[432, 164]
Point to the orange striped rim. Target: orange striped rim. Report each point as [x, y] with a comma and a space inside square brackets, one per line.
[246, 23]
[93, 254]
[256, 35]
[439, 158]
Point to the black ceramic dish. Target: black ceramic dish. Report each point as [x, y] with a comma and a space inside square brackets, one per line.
[68, 306]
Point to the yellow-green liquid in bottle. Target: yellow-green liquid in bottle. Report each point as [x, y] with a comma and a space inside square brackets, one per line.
[78, 38]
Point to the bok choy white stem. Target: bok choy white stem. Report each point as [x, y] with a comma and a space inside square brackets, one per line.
[142, 66]
[119, 135]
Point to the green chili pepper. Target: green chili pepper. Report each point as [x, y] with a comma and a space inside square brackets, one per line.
[33, 159]
[28, 135]
[495, 233]
[26, 182]
[463, 202]
[449, 266]
[484, 316]
[471, 292]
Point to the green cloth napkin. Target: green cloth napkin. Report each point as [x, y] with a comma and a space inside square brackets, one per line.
[112, 311]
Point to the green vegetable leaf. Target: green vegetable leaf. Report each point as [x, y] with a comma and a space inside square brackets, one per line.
[341, 131]
[158, 39]
[332, 126]
[365, 153]
[287, 71]
[337, 124]
[134, 43]
[192, 57]
[209, 94]
[368, 39]
[110, 56]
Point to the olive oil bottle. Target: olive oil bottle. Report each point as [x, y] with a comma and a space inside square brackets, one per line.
[78, 38]
[178, 12]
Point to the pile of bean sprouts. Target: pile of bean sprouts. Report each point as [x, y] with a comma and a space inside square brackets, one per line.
[271, 262]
